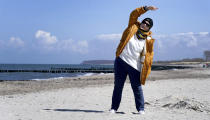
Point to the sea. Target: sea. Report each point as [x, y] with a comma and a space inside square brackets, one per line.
[19, 76]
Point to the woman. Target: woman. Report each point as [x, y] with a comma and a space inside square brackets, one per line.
[134, 58]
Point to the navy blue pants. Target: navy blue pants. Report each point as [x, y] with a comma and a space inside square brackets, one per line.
[121, 70]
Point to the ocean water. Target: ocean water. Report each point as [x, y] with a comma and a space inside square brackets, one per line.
[45, 76]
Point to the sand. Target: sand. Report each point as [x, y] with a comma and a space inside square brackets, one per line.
[169, 95]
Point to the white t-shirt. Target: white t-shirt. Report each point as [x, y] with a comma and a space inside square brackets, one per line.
[131, 53]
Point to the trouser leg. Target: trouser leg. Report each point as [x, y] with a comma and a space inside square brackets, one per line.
[134, 76]
[120, 75]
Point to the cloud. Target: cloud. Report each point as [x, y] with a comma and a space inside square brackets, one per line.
[114, 37]
[167, 46]
[189, 39]
[204, 33]
[52, 43]
[81, 47]
[181, 45]
[16, 42]
[45, 37]
[71, 45]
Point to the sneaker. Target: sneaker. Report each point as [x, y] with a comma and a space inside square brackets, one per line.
[112, 111]
[141, 112]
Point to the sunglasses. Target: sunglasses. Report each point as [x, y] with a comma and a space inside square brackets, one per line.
[147, 24]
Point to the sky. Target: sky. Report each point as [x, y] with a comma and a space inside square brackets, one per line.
[71, 31]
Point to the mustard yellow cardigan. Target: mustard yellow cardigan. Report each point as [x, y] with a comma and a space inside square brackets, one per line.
[132, 28]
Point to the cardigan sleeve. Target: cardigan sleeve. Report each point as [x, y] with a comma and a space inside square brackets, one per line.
[135, 14]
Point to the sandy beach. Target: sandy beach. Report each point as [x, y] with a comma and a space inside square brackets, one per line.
[169, 95]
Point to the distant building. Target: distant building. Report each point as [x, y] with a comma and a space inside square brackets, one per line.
[207, 55]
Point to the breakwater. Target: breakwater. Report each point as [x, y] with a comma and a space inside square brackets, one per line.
[90, 69]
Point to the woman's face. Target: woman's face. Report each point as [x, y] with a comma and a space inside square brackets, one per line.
[145, 25]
